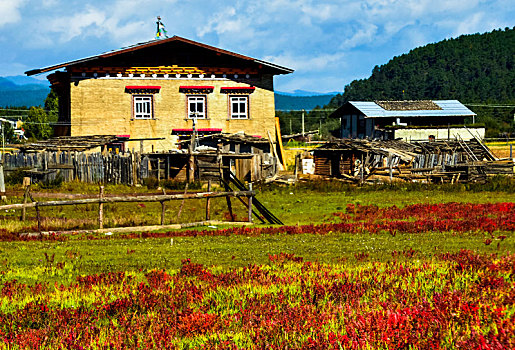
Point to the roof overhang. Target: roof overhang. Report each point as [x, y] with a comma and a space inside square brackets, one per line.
[276, 68]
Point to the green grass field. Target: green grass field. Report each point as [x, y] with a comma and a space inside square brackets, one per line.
[385, 267]
[26, 261]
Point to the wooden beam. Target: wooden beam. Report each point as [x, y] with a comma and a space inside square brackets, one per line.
[279, 141]
[154, 198]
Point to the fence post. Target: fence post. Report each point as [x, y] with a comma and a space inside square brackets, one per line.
[2, 183]
[208, 201]
[25, 198]
[163, 208]
[250, 203]
[39, 218]
[182, 203]
[101, 208]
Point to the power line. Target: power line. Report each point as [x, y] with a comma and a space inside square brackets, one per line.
[307, 110]
[490, 106]
[21, 110]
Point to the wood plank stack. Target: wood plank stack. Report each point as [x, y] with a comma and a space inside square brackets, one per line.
[437, 161]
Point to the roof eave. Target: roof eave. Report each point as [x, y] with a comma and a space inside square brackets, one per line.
[282, 69]
[154, 42]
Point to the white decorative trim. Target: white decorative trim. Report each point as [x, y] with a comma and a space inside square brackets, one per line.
[132, 76]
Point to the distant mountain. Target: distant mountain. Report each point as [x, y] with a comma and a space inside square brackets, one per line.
[293, 102]
[32, 93]
[24, 80]
[7, 84]
[306, 93]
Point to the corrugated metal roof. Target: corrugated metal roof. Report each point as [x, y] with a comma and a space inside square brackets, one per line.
[449, 108]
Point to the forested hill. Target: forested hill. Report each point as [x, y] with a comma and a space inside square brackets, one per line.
[478, 68]
[295, 103]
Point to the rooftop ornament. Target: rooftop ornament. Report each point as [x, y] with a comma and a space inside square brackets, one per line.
[161, 31]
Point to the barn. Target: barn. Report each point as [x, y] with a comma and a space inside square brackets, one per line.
[407, 120]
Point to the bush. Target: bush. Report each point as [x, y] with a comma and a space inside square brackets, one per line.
[498, 183]
[151, 182]
[16, 176]
[52, 183]
[171, 184]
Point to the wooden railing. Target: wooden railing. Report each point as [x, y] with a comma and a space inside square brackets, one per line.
[101, 200]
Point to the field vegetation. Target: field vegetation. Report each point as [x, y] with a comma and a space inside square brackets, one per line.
[382, 267]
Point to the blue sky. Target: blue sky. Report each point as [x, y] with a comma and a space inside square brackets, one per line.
[328, 43]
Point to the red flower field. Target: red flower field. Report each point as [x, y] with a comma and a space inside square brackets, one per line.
[459, 299]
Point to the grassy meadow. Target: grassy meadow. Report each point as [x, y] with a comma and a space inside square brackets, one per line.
[353, 268]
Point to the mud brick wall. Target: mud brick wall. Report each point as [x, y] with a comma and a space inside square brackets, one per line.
[102, 106]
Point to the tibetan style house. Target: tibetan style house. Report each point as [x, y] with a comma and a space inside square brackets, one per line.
[159, 91]
[407, 120]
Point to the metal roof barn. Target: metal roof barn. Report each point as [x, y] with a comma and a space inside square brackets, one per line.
[448, 108]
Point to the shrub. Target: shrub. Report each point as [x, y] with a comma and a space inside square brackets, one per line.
[16, 176]
[52, 183]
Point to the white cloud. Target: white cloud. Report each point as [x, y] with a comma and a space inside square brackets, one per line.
[10, 11]
[11, 69]
[74, 26]
[325, 41]
[308, 63]
[49, 3]
[366, 34]
[478, 23]
[222, 22]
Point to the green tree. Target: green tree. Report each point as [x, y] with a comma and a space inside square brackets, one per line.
[37, 124]
[7, 133]
[52, 106]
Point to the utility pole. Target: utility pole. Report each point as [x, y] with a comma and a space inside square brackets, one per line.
[303, 123]
[2, 183]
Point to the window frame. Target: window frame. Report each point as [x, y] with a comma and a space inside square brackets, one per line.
[237, 115]
[188, 111]
[140, 99]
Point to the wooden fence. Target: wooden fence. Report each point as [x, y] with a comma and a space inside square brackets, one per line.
[101, 200]
[131, 168]
[86, 167]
